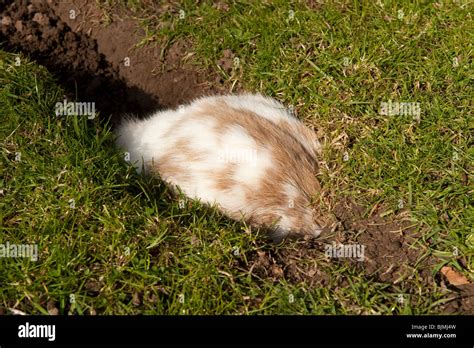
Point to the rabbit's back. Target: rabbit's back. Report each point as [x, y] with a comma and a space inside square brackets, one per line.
[246, 153]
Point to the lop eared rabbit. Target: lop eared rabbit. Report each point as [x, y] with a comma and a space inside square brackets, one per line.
[246, 153]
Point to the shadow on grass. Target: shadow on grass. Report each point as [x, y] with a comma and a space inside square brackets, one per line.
[73, 59]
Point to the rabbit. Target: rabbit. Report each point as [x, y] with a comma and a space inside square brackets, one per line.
[245, 153]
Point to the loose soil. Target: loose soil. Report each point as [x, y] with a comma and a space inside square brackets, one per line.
[101, 63]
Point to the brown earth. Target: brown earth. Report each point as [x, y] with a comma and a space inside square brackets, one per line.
[391, 256]
[91, 59]
[101, 63]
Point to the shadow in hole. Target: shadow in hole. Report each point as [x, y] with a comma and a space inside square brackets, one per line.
[73, 58]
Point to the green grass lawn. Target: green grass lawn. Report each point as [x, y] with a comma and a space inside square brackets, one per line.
[112, 242]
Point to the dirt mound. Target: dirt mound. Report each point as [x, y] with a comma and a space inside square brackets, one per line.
[387, 253]
[101, 64]
[390, 256]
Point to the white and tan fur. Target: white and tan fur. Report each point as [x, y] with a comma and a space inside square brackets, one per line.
[245, 153]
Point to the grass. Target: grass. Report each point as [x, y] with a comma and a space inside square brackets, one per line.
[112, 242]
[336, 64]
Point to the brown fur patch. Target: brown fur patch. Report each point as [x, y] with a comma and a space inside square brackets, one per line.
[167, 165]
[224, 179]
